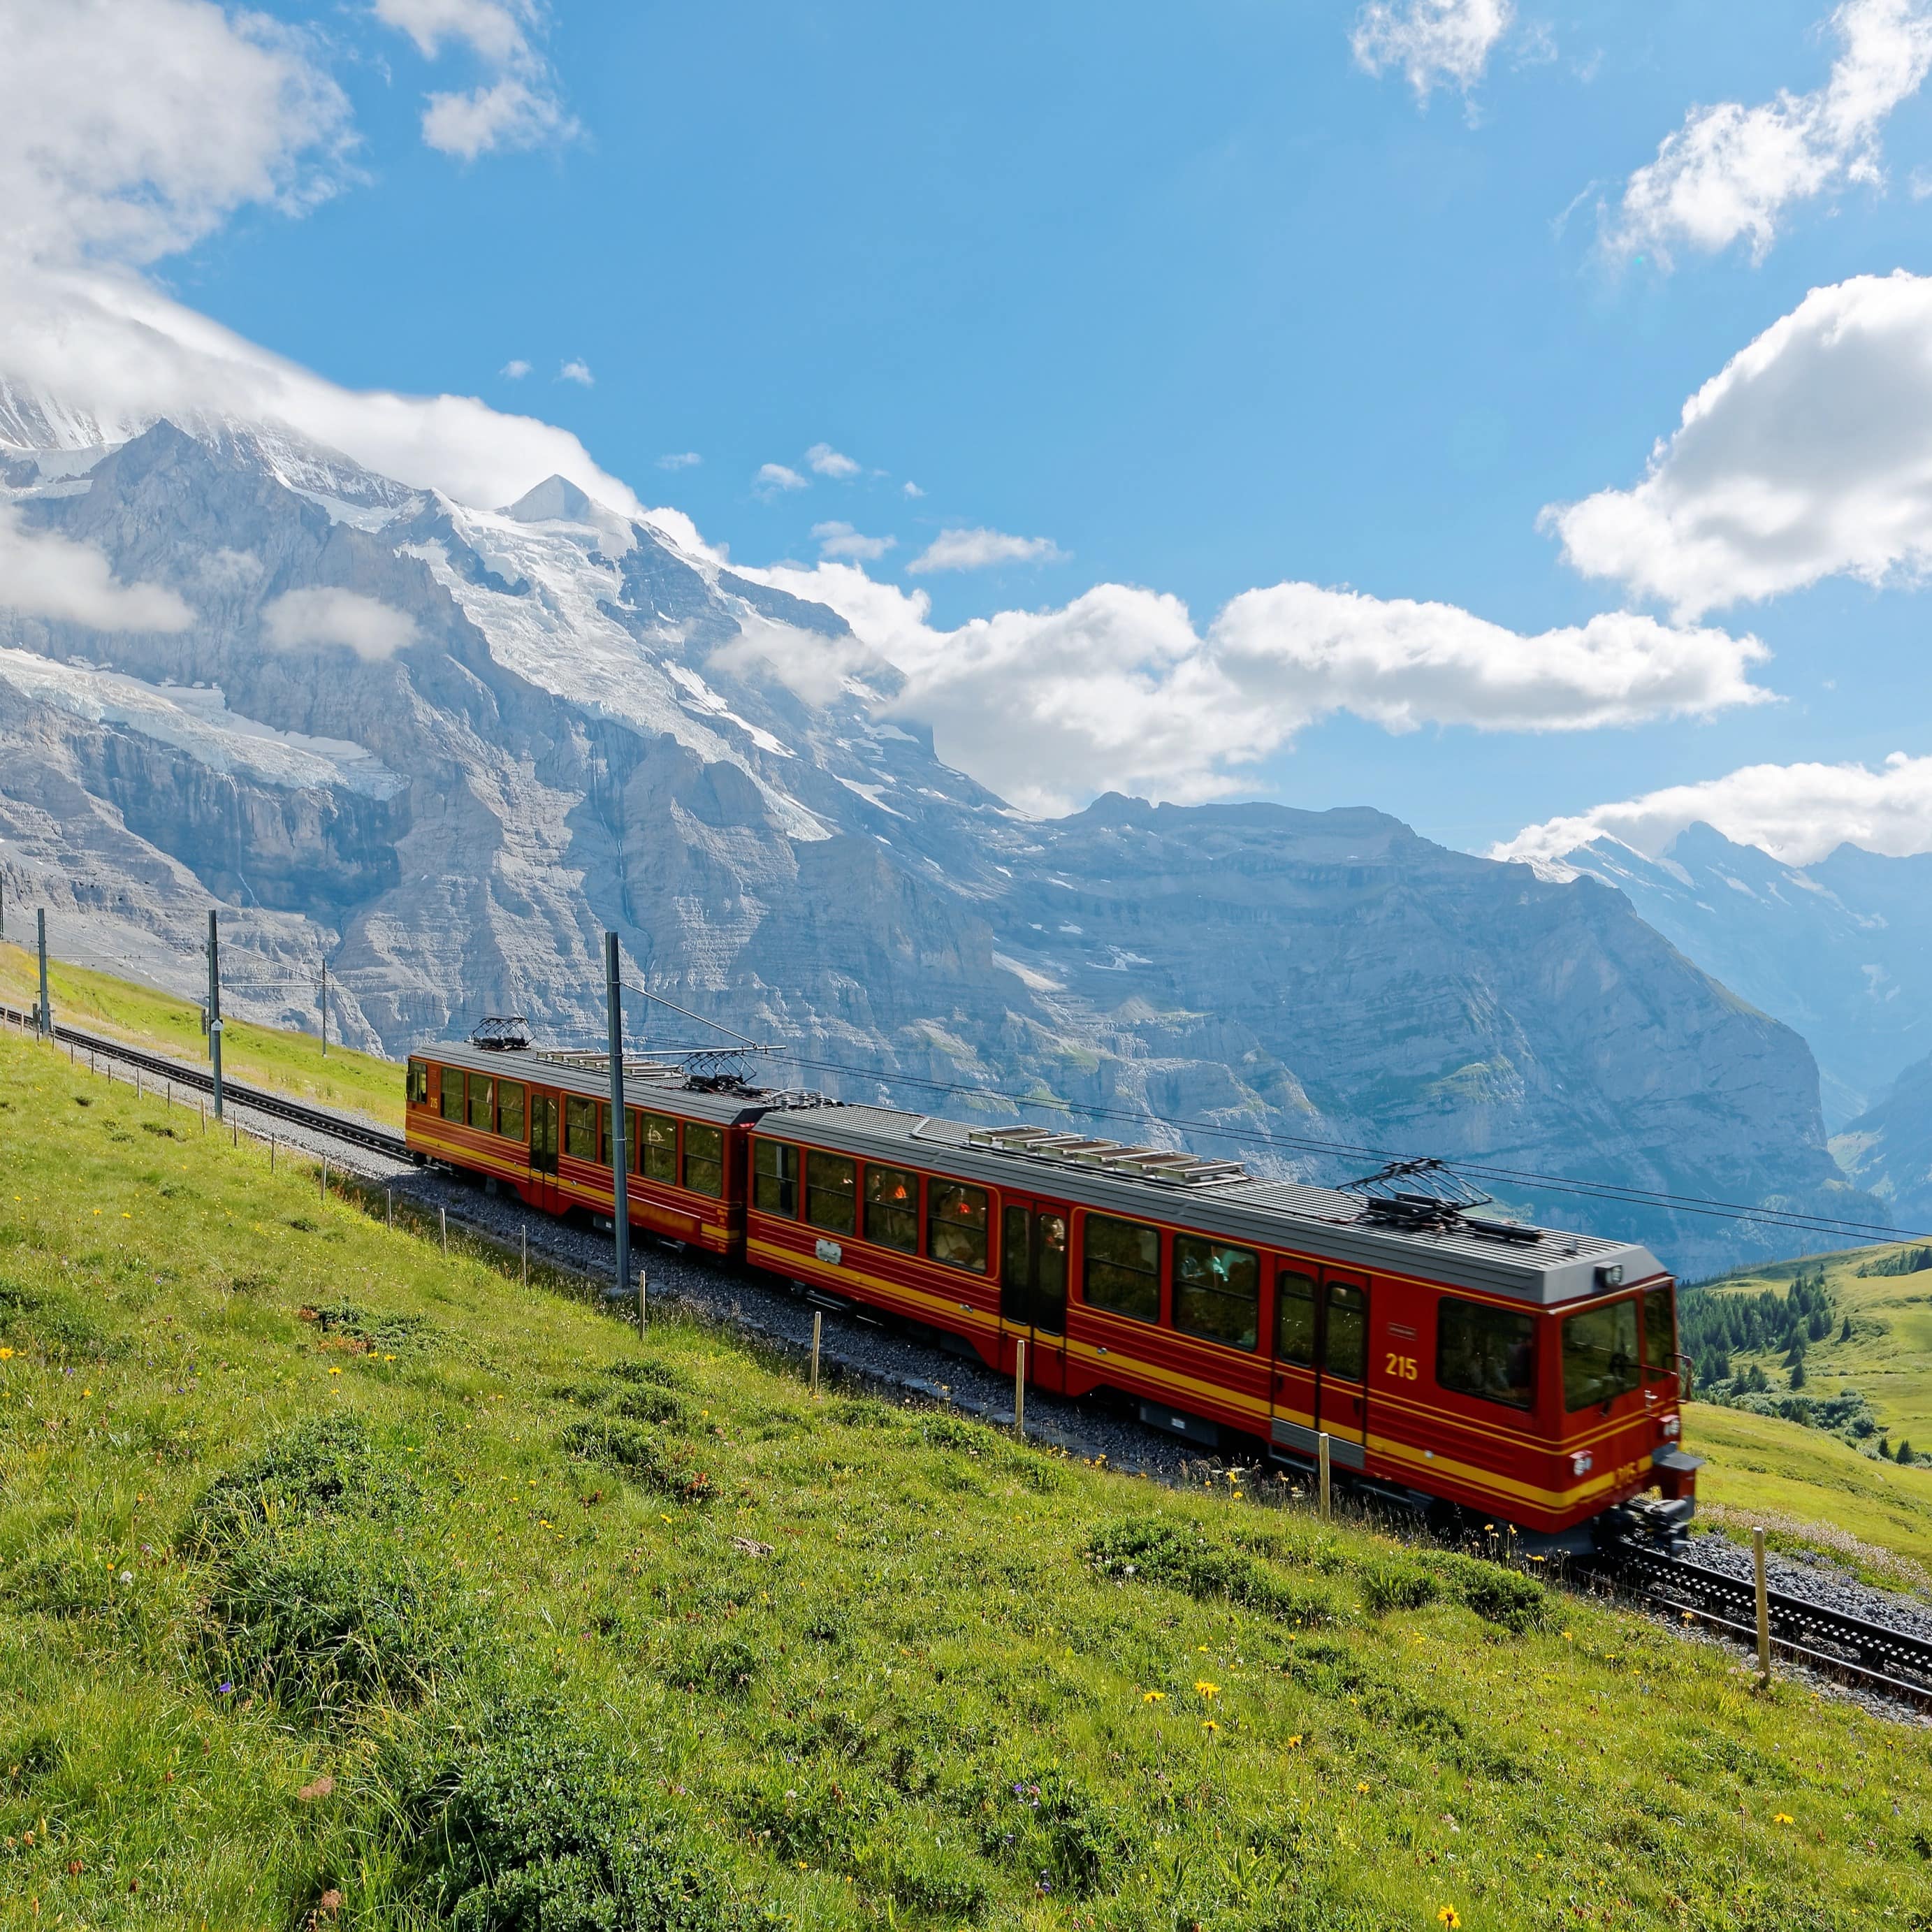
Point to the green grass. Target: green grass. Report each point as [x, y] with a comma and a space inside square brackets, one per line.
[1888, 1357]
[330, 1566]
[292, 1063]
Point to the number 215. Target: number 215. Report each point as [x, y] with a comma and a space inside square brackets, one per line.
[1402, 1367]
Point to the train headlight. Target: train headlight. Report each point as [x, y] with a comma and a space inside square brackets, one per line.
[1672, 1427]
[1581, 1463]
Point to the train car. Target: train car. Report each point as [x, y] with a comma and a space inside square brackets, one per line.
[538, 1123]
[1457, 1364]
[1460, 1364]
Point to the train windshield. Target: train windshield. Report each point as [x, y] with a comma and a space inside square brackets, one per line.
[1660, 1331]
[1600, 1358]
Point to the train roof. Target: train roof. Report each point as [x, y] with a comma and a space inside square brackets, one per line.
[1543, 1266]
[647, 1083]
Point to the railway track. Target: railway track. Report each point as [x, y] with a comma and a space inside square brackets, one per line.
[1876, 1656]
[257, 1099]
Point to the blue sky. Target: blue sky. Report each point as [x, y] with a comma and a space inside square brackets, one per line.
[1192, 294]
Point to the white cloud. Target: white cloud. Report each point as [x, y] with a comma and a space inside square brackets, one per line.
[1118, 688]
[911, 490]
[975, 550]
[683, 459]
[576, 370]
[132, 128]
[516, 107]
[516, 369]
[823, 460]
[1730, 171]
[1797, 813]
[48, 576]
[773, 478]
[1433, 42]
[370, 628]
[1809, 455]
[842, 540]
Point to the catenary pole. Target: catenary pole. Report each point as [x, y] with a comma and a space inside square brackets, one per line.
[214, 1006]
[620, 1191]
[46, 1004]
[325, 1009]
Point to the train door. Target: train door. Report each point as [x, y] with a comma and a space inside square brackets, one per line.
[543, 1149]
[1033, 1285]
[1341, 1385]
[1320, 1384]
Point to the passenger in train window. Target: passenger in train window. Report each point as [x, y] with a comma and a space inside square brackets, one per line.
[1481, 1350]
[1217, 1291]
[891, 1207]
[956, 1224]
[657, 1141]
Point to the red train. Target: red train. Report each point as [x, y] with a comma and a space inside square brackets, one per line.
[1460, 1364]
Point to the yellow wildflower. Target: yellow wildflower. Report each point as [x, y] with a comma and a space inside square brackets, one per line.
[1362, 1785]
[1781, 1818]
[1203, 1688]
[335, 1371]
[1295, 1742]
[1450, 1917]
[1209, 1724]
[1153, 1697]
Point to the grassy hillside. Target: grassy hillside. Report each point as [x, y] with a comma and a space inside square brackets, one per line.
[338, 1578]
[1888, 1358]
[293, 1062]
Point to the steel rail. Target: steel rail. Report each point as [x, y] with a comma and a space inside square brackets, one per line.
[278, 1106]
[1893, 1661]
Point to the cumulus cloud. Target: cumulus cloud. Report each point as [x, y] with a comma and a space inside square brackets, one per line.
[910, 490]
[516, 369]
[823, 460]
[773, 479]
[1809, 455]
[1797, 813]
[1120, 688]
[516, 107]
[304, 619]
[132, 128]
[48, 576]
[1433, 42]
[1730, 172]
[977, 549]
[576, 370]
[683, 459]
[842, 540]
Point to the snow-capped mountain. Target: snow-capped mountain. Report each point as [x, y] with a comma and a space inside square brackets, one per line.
[445, 747]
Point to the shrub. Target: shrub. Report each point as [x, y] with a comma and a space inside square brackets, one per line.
[726, 1666]
[1160, 1550]
[1398, 1583]
[324, 1622]
[648, 1369]
[1503, 1596]
[527, 1820]
[325, 1466]
[629, 1449]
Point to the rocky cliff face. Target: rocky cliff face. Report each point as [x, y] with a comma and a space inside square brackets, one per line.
[446, 748]
[1887, 1149]
[1840, 950]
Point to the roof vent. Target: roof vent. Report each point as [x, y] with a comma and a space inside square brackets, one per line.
[1164, 1164]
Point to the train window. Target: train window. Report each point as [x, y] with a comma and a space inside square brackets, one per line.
[482, 1103]
[891, 1207]
[1122, 1268]
[703, 1159]
[419, 1084]
[831, 1191]
[1294, 1317]
[453, 1102]
[1660, 1330]
[955, 1225]
[775, 1178]
[657, 1142]
[1217, 1291]
[1344, 1342]
[510, 1109]
[1485, 1352]
[579, 1127]
[1600, 1354]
